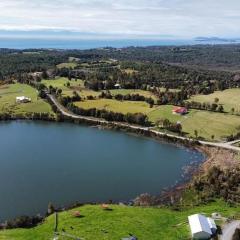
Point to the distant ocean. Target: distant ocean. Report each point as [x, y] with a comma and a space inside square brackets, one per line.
[88, 44]
[83, 44]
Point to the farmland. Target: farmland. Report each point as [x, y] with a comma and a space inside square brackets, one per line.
[145, 223]
[74, 85]
[67, 65]
[8, 94]
[116, 106]
[146, 94]
[229, 98]
[207, 124]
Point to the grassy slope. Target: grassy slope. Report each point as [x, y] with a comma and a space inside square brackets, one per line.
[8, 94]
[205, 122]
[145, 223]
[230, 98]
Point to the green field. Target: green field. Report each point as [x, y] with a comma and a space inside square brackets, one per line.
[145, 223]
[116, 106]
[8, 94]
[147, 94]
[77, 86]
[205, 122]
[230, 98]
[67, 65]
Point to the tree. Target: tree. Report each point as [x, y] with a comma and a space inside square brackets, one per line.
[45, 75]
[166, 123]
[220, 109]
[196, 133]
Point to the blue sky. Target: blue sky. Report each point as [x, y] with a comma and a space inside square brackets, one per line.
[121, 18]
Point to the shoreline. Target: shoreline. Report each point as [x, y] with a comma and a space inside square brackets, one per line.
[207, 151]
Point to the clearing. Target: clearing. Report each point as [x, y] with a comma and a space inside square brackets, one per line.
[8, 94]
[75, 85]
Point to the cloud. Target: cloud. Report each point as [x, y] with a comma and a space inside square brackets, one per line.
[147, 18]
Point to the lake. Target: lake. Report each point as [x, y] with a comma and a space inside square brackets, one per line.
[63, 163]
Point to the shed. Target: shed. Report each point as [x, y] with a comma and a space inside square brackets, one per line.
[212, 225]
[199, 226]
[117, 85]
[23, 99]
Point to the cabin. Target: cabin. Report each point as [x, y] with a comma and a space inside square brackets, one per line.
[23, 99]
[202, 228]
[180, 110]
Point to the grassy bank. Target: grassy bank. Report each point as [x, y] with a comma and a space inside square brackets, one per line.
[96, 223]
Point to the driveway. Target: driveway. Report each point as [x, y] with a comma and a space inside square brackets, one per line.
[229, 229]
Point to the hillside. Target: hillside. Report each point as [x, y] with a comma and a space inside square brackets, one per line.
[145, 223]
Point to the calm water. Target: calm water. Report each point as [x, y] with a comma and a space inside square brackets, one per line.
[62, 163]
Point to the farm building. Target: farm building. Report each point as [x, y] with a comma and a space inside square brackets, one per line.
[117, 86]
[212, 225]
[180, 110]
[201, 227]
[23, 99]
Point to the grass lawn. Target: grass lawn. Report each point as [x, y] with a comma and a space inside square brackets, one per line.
[133, 91]
[8, 94]
[116, 106]
[230, 98]
[67, 65]
[205, 122]
[145, 223]
[77, 86]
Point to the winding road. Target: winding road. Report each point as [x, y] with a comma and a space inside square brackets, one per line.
[65, 112]
[229, 229]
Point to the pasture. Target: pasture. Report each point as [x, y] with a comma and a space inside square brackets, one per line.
[75, 85]
[229, 98]
[67, 65]
[144, 93]
[206, 123]
[8, 94]
[116, 106]
[145, 223]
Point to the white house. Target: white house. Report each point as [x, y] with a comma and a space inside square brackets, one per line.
[23, 99]
[200, 227]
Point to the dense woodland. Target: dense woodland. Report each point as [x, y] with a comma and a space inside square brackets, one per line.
[170, 67]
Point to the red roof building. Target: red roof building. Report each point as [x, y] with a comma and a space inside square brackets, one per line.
[180, 110]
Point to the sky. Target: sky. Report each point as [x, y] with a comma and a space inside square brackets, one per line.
[182, 19]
